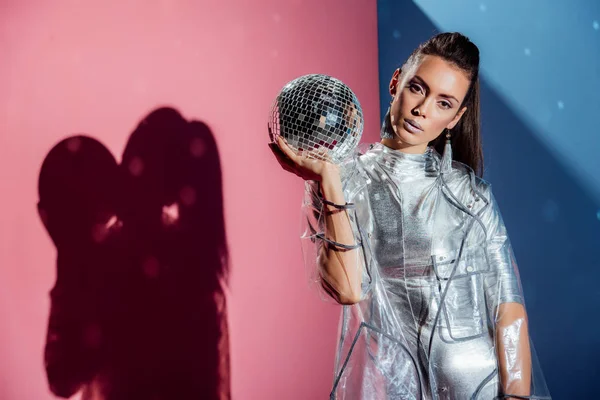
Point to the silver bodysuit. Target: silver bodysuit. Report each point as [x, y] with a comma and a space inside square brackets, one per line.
[436, 265]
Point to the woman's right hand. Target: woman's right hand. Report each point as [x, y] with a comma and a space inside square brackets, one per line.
[305, 167]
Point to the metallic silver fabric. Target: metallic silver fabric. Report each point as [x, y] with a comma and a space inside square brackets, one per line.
[436, 264]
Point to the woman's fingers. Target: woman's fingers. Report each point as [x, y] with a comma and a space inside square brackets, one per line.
[286, 157]
[280, 155]
[323, 154]
[299, 159]
[305, 164]
[287, 149]
[302, 158]
[283, 160]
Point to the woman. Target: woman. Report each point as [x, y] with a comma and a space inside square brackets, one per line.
[413, 243]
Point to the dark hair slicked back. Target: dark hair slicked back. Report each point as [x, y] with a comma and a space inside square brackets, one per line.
[458, 50]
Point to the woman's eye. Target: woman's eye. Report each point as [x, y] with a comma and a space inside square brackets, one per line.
[414, 87]
[446, 105]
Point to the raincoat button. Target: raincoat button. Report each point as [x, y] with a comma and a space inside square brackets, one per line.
[469, 269]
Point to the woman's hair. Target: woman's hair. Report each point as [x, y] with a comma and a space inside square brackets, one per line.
[457, 49]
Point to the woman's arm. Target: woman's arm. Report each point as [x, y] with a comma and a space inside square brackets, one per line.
[340, 269]
[512, 346]
[504, 296]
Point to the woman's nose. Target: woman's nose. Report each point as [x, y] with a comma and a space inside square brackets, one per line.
[417, 111]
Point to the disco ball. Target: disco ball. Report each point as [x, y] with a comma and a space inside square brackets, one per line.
[319, 115]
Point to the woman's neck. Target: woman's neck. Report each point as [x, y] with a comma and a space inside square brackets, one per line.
[403, 147]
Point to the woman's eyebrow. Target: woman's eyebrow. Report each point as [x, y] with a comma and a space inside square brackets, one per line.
[422, 82]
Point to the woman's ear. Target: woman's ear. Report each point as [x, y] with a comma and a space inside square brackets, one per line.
[394, 81]
[456, 118]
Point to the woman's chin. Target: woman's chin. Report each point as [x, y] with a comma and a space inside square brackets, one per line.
[406, 137]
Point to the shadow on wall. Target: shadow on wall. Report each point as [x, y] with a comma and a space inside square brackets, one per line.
[551, 219]
[138, 309]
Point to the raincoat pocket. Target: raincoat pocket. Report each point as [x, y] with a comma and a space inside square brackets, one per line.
[461, 290]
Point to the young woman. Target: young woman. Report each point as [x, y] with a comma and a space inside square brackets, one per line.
[413, 244]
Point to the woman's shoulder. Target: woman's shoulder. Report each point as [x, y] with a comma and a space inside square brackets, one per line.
[465, 173]
[354, 165]
[462, 178]
[354, 169]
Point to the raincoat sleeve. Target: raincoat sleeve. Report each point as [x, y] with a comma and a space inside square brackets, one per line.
[504, 296]
[503, 285]
[318, 242]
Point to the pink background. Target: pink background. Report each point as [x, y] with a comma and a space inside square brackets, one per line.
[98, 67]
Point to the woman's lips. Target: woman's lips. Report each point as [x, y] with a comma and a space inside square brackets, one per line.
[411, 126]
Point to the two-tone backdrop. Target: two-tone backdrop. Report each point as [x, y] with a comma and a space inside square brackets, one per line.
[99, 68]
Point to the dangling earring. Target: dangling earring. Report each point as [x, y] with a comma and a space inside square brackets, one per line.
[387, 132]
[447, 156]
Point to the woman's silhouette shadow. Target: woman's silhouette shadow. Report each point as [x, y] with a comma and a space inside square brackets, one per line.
[138, 309]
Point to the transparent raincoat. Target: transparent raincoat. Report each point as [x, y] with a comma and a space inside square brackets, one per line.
[441, 313]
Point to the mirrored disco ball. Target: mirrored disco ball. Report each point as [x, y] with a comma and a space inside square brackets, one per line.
[319, 115]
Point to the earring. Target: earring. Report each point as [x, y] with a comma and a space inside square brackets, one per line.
[447, 156]
[386, 128]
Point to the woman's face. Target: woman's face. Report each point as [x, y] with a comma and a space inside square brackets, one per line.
[427, 104]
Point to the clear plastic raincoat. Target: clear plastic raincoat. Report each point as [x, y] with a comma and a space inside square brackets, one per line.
[438, 316]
